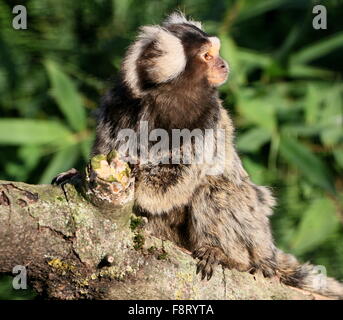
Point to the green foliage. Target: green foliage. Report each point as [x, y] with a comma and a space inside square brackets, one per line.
[308, 163]
[284, 94]
[29, 131]
[67, 97]
[318, 222]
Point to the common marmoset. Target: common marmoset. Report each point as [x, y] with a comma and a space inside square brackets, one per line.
[169, 79]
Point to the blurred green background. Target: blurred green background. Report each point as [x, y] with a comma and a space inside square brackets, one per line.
[284, 93]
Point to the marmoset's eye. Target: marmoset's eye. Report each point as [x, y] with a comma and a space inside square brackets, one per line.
[207, 56]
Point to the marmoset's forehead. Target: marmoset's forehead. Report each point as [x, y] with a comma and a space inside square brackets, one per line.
[193, 37]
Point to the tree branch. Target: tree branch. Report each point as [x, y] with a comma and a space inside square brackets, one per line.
[74, 250]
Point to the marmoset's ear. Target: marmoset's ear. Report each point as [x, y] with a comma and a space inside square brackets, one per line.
[179, 18]
[157, 56]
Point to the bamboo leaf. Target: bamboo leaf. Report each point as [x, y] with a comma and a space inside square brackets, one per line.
[307, 162]
[303, 71]
[255, 8]
[28, 131]
[257, 110]
[317, 224]
[318, 50]
[67, 96]
[253, 139]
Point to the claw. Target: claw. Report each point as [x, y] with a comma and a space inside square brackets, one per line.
[210, 274]
[208, 259]
[64, 177]
[198, 269]
[203, 274]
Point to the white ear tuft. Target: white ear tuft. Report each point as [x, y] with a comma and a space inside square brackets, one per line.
[164, 67]
[129, 66]
[173, 60]
[178, 18]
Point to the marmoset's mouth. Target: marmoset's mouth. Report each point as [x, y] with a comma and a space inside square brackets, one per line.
[220, 79]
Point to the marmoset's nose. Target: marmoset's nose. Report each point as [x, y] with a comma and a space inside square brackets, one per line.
[224, 66]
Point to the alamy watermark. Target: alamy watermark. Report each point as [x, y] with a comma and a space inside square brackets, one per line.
[20, 20]
[318, 276]
[180, 146]
[320, 20]
[20, 279]
[319, 282]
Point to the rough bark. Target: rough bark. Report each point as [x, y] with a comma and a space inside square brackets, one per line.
[74, 250]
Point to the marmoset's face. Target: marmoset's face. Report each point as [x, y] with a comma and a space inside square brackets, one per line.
[202, 54]
[217, 68]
